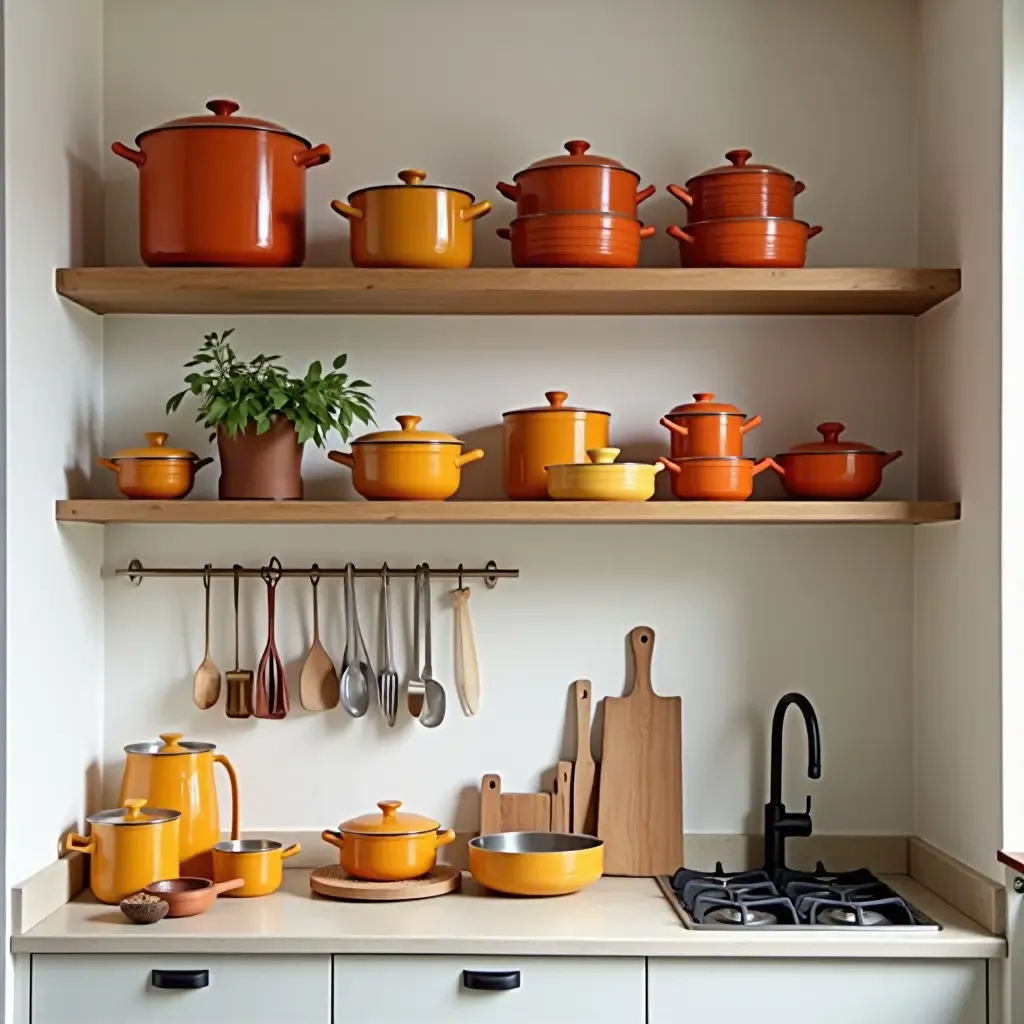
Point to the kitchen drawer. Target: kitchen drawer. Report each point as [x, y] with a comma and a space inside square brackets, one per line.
[432, 990]
[110, 989]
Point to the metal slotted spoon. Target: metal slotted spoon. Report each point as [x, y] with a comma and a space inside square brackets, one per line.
[355, 696]
[434, 700]
[414, 688]
[387, 680]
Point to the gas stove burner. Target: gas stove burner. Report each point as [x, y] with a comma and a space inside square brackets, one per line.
[849, 916]
[738, 914]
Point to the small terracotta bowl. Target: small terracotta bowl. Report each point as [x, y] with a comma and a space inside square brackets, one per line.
[187, 897]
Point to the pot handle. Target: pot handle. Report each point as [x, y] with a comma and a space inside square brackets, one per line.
[798, 187]
[74, 843]
[763, 464]
[467, 457]
[681, 194]
[676, 428]
[674, 467]
[505, 233]
[114, 467]
[645, 193]
[334, 838]
[202, 462]
[679, 234]
[136, 156]
[342, 458]
[233, 779]
[345, 210]
[816, 230]
[444, 837]
[754, 421]
[232, 883]
[507, 190]
[646, 232]
[290, 851]
[313, 157]
[476, 210]
[890, 457]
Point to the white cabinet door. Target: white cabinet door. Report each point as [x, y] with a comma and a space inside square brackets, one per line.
[778, 991]
[488, 990]
[113, 989]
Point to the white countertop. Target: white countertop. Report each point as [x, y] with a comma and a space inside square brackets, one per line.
[615, 917]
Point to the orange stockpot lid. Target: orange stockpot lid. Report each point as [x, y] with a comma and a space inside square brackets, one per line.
[556, 403]
[389, 822]
[704, 404]
[739, 163]
[222, 116]
[577, 150]
[830, 443]
[407, 435]
[155, 450]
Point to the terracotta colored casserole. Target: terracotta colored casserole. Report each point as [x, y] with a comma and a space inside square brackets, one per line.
[744, 242]
[725, 478]
[575, 240]
[388, 847]
[220, 190]
[411, 225]
[407, 464]
[186, 897]
[739, 189]
[155, 472]
[552, 434]
[574, 183]
[832, 469]
[705, 427]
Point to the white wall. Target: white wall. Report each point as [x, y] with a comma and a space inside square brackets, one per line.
[473, 93]
[958, 772]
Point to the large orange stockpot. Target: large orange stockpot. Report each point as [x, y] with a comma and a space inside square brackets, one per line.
[575, 183]
[220, 190]
[555, 434]
[706, 427]
[832, 469]
[575, 240]
[156, 471]
[715, 479]
[407, 464]
[744, 242]
[739, 189]
[411, 225]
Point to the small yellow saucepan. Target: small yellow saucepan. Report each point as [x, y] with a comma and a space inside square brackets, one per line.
[602, 479]
[388, 847]
[256, 861]
[536, 863]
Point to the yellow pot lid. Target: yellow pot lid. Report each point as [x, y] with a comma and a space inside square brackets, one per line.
[414, 179]
[556, 403]
[389, 822]
[156, 449]
[603, 459]
[134, 812]
[409, 434]
[170, 743]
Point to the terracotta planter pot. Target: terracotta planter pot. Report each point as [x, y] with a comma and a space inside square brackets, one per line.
[744, 242]
[261, 466]
[575, 240]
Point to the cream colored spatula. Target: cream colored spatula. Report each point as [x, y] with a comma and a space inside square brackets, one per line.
[319, 689]
[467, 669]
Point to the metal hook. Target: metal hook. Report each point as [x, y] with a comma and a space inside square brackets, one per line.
[490, 582]
[384, 572]
[461, 587]
[314, 575]
[206, 575]
[134, 566]
[272, 573]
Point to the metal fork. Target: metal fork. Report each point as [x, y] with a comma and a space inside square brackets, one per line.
[387, 681]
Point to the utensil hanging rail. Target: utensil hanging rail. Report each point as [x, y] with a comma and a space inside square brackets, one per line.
[490, 574]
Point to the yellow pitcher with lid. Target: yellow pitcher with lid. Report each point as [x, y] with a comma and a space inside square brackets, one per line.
[179, 775]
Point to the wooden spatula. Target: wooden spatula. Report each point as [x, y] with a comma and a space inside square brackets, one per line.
[584, 802]
[319, 689]
[206, 684]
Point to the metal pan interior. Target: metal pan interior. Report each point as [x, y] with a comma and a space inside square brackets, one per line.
[535, 842]
[247, 845]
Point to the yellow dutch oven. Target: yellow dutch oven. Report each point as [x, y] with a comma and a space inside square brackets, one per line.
[390, 846]
[130, 847]
[407, 464]
[536, 863]
[603, 479]
[256, 861]
[411, 225]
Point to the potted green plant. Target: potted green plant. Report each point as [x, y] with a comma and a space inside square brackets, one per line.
[261, 416]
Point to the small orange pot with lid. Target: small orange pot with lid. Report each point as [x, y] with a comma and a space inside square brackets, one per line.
[548, 435]
[705, 427]
[392, 846]
[739, 189]
[833, 469]
[156, 471]
[577, 183]
[407, 464]
[412, 224]
[722, 478]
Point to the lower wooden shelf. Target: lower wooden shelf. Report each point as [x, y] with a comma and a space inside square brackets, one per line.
[495, 512]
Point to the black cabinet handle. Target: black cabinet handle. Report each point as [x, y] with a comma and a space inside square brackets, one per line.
[491, 981]
[180, 979]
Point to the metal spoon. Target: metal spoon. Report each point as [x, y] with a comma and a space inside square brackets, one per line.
[434, 700]
[414, 684]
[355, 696]
[387, 681]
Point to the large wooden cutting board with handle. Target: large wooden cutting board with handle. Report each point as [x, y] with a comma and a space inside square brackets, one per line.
[640, 804]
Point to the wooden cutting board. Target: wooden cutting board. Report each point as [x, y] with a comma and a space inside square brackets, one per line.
[584, 793]
[640, 807]
[561, 798]
[512, 812]
[332, 882]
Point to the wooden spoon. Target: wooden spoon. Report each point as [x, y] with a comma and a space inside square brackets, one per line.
[319, 689]
[206, 684]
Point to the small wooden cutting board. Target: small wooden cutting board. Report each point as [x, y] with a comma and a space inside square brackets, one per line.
[512, 812]
[584, 804]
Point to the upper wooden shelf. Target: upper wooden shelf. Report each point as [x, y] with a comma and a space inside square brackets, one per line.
[121, 510]
[505, 291]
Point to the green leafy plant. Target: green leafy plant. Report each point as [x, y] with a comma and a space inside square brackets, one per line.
[233, 393]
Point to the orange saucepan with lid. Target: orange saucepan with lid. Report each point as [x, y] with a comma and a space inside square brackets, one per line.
[705, 427]
[155, 472]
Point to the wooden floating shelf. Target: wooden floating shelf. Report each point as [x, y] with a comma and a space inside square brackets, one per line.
[575, 513]
[506, 291]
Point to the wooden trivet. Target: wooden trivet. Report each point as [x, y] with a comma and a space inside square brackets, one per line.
[333, 882]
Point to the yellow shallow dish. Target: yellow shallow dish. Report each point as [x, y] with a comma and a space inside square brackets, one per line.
[536, 863]
[602, 479]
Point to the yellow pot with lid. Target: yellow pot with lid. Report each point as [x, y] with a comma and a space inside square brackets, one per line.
[408, 464]
[155, 472]
[603, 479]
[130, 846]
[391, 846]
